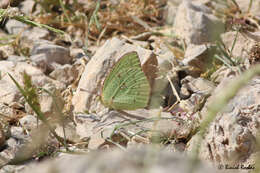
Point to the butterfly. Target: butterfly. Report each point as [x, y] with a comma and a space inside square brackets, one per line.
[126, 87]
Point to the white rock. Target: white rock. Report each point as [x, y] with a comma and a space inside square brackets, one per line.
[40, 61]
[16, 58]
[16, 70]
[27, 6]
[6, 51]
[15, 27]
[195, 23]
[231, 137]
[70, 132]
[17, 132]
[129, 161]
[242, 46]
[28, 122]
[65, 74]
[32, 36]
[254, 7]
[54, 54]
[8, 92]
[86, 96]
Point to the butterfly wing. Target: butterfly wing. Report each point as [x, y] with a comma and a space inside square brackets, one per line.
[126, 87]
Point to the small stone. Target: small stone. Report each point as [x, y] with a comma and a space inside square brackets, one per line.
[53, 54]
[27, 6]
[29, 122]
[6, 51]
[33, 36]
[4, 3]
[16, 70]
[15, 27]
[51, 105]
[18, 133]
[9, 92]
[242, 46]
[198, 85]
[70, 132]
[65, 74]
[16, 58]
[77, 53]
[40, 61]
[196, 24]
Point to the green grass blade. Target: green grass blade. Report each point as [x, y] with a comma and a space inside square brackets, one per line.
[32, 23]
[35, 107]
[234, 43]
[64, 10]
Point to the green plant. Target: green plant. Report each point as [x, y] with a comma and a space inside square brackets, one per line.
[30, 95]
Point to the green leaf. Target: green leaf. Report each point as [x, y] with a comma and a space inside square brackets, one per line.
[126, 87]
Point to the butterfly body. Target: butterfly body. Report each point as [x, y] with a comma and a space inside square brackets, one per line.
[126, 87]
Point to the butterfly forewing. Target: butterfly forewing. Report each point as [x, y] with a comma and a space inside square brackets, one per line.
[126, 87]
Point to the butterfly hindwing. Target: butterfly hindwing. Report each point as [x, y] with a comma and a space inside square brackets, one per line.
[126, 87]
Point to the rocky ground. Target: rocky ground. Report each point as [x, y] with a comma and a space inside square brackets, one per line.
[200, 57]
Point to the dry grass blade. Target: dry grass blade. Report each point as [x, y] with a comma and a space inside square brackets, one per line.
[175, 93]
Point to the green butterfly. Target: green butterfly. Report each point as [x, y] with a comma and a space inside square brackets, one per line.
[126, 87]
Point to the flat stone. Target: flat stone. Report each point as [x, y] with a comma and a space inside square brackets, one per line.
[86, 96]
[53, 54]
[65, 74]
[41, 62]
[196, 24]
[242, 46]
[27, 6]
[16, 70]
[6, 51]
[9, 92]
[16, 58]
[15, 27]
[28, 122]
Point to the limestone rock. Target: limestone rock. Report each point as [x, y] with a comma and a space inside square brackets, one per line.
[195, 23]
[136, 160]
[15, 27]
[53, 54]
[86, 96]
[231, 137]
